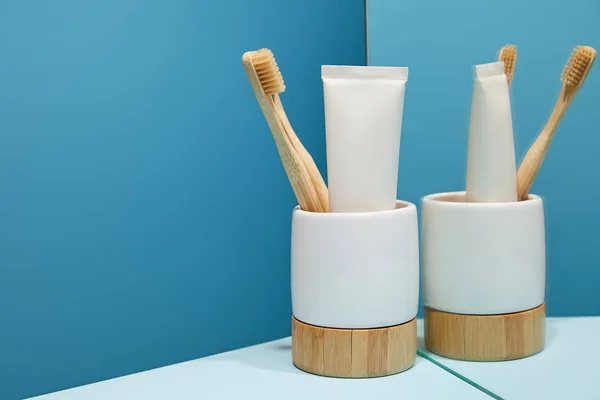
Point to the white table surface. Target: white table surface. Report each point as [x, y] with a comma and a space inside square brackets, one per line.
[567, 368]
[266, 372]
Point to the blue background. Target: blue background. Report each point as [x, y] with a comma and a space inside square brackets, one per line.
[440, 41]
[144, 212]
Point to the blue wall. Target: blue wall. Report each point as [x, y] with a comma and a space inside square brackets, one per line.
[144, 210]
[439, 41]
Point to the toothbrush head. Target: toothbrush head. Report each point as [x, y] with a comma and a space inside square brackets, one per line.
[268, 72]
[508, 54]
[578, 66]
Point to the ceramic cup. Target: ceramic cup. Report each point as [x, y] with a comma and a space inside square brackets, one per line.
[355, 270]
[482, 258]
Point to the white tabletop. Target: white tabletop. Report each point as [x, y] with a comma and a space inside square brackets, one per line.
[266, 372]
[567, 368]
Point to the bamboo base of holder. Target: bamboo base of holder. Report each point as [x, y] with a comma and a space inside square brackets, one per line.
[485, 337]
[354, 353]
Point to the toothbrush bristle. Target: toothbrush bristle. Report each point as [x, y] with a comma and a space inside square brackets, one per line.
[508, 54]
[268, 72]
[579, 63]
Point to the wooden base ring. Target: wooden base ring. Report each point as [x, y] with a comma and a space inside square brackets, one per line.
[485, 337]
[354, 353]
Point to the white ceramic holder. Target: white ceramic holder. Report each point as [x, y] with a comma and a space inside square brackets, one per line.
[355, 286]
[483, 267]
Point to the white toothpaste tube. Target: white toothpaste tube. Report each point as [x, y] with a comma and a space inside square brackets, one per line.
[363, 121]
[491, 166]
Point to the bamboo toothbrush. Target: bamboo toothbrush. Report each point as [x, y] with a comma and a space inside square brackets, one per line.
[266, 81]
[579, 64]
[508, 55]
[265, 57]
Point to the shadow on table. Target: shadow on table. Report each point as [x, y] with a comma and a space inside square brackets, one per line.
[550, 334]
[276, 356]
[421, 343]
[273, 356]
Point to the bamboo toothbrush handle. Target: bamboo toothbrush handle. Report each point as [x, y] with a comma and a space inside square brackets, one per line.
[294, 168]
[581, 60]
[534, 158]
[291, 161]
[283, 149]
[311, 167]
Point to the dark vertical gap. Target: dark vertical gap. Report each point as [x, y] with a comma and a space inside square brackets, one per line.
[366, 32]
